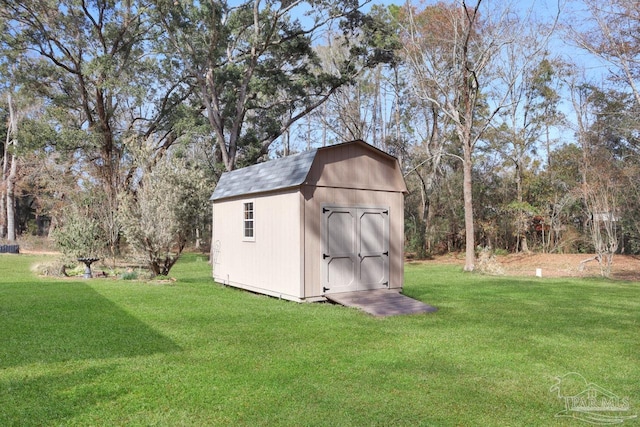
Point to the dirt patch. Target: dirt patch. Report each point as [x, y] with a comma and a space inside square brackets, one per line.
[625, 267]
[38, 252]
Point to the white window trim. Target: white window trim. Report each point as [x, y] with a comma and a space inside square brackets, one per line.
[246, 238]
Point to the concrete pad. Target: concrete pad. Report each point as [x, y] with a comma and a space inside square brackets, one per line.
[381, 302]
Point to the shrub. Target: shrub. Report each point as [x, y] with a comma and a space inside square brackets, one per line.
[488, 264]
[80, 236]
[129, 275]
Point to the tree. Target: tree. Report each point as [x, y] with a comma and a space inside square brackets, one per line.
[254, 67]
[458, 49]
[599, 177]
[12, 156]
[431, 125]
[531, 108]
[93, 63]
[159, 214]
[360, 110]
[600, 201]
[612, 28]
[3, 137]
[8, 155]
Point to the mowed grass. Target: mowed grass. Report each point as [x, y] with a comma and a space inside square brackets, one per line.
[193, 353]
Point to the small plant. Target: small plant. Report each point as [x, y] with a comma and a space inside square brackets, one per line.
[49, 268]
[488, 264]
[129, 275]
[75, 270]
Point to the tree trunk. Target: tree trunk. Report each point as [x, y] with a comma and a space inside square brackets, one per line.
[11, 178]
[3, 215]
[522, 244]
[11, 203]
[470, 257]
[3, 188]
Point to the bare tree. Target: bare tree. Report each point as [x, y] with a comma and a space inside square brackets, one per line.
[600, 201]
[612, 34]
[456, 52]
[599, 186]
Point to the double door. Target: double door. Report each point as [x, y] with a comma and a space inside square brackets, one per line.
[355, 248]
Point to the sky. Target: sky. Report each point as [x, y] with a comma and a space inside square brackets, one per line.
[568, 12]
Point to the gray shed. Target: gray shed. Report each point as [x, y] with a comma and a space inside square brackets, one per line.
[325, 221]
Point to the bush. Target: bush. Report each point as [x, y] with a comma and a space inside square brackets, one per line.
[129, 275]
[416, 242]
[488, 264]
[80, 236]
[49, 268]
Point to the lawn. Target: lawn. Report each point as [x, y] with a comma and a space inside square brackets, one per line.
[192, 353]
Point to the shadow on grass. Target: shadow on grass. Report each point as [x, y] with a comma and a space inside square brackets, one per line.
[52, 398]
[55, 322]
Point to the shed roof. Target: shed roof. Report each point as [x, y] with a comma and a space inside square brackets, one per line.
[278, 174]
[275, 174]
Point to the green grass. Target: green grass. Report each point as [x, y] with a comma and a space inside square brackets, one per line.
[192, 353]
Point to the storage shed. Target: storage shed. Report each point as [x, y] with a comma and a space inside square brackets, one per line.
[324, 221]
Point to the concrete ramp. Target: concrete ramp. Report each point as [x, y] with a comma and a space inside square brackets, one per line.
[381, 302]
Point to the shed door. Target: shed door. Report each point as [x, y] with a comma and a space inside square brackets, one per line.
[355, 249]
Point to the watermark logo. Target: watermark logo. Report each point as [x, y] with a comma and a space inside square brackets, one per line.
[589, 402]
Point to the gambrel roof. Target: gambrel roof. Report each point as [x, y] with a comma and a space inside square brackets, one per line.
[293, 171]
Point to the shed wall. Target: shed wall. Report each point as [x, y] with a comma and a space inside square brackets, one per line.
[272, 263]
[317, 197]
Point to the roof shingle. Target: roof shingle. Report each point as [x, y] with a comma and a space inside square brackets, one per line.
[275, 174]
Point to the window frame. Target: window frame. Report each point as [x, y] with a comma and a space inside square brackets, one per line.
[249, 209]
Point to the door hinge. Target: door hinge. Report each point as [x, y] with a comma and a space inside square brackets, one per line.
[325, 210]
[325, 289]
[385, 253]
[386, 284]
[325, 256]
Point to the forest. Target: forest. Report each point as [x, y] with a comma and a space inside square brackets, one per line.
[517, 126]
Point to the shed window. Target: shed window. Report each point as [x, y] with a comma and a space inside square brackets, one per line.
[249, 230]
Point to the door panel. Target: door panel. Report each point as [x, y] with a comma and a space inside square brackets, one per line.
[341, 232]
[341, 274]
[371, 272]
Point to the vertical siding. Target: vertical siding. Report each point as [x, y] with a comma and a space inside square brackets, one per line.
[316, 197]
[352, 175]
[355, 166]
[272, 263]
